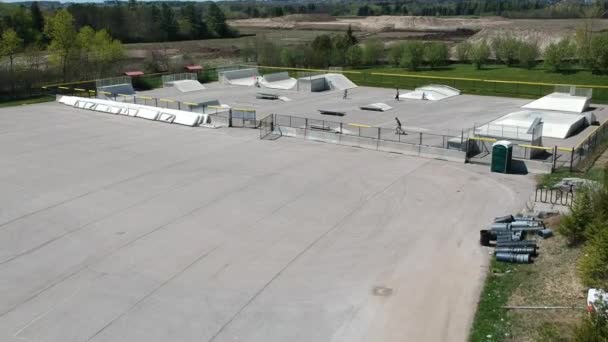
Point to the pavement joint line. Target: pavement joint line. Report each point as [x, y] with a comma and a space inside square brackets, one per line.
[331, 229]
[149, 294]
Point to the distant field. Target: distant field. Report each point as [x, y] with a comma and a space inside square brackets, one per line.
[504, 73]
[469, 80]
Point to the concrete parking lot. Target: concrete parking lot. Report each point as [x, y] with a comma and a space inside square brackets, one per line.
[115, 228]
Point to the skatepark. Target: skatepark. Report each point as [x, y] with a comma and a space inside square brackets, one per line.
[125, 220]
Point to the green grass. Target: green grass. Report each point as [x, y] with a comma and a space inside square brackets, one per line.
[504, 73]
[480, 87]
[37, 99]
[491, 321]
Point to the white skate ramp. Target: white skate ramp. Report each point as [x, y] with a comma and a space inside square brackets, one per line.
[560, 102]
[279, 80]
[339, 82]
[186, 86]
[378, 107]
[555, 124]
[431, 92]
[135, 110]
[242, 77]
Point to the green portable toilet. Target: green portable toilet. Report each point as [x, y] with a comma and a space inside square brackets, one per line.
[502, 153]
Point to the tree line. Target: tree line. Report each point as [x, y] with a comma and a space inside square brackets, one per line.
[50, 45]
[136, 22]
[586, 49]
[505, 8]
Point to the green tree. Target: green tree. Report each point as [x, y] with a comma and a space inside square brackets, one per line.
[593, 264]
[558, 55]
[98, 51]
[506, 49]
[216, 21]
[350, 37]
[373, 52]
[527, 54]
[582, 38]
[413, 55]
[288, 57]
[168, 22]
[480, 53]
[462, 51]
[354, 56]
[37, 17]
[198, 28]
[436, 54]
[322, 46]
[598, 55]
[573, 226]
[395, 53]
[62, 34]
[11, 44]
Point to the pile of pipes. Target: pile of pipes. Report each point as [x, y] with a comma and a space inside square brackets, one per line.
[510, 233]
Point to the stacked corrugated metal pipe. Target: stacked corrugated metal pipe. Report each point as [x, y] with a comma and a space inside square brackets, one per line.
[510, 237]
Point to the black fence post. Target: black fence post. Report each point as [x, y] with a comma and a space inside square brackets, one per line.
[571, 159]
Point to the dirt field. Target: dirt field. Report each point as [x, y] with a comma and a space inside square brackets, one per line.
[432, 28]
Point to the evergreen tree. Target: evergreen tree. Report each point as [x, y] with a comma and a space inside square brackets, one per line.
[168, 22]
[216, 20]
[37, 17]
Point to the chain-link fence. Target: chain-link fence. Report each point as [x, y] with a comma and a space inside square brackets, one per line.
[105, 82]
[395, 135]
[179, 77]
[477, 86]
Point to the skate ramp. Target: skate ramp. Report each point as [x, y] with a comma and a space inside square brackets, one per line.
[555, 124]
[560, 102]
[135, 110]
[242, 77]
[279, 80]
[377, 107]
[325, 82]
[313, 84]
[339, 82]
[431, 92]
[117, 89]
[186, 86]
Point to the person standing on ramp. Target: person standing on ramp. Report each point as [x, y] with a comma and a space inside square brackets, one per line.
[397, 95]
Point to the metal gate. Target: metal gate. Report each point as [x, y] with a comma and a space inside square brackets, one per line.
[267, 126]
[240, 117]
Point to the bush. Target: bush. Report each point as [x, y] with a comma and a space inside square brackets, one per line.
[354, 56]
[593, 266]
[462, 51]
[558, 55]
[506, 50]
[480, 53]
[413, 55]
[573, 226]
[373, 52]
[594, 327]
[436, 54]
[395, 53]
[146, 82]
[527, 54]
[599, 53]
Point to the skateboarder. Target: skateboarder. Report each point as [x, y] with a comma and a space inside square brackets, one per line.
[345, 94]
[397, 95]
[398, 128]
